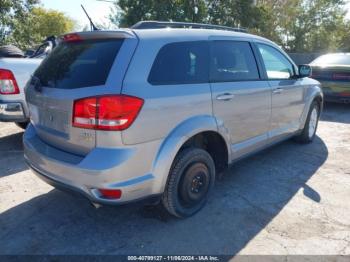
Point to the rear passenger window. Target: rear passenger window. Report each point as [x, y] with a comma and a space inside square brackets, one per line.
[233, 61]
[181, 63]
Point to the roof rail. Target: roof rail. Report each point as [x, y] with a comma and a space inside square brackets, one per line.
[159, 24]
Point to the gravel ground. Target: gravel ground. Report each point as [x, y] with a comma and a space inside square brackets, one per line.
[289, 199]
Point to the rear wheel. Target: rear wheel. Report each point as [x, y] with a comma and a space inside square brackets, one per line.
[191, 178]
[22, 125]
[308, 133]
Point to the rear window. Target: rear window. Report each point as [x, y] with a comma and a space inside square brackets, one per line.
[79, 64]
[181, 63]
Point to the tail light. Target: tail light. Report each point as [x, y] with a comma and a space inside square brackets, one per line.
[341, 76]
[113, 112]
[8, 83]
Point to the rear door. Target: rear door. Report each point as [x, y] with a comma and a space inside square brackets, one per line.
[83, 65]
[287, 91]
[241, 100]
[173, 81]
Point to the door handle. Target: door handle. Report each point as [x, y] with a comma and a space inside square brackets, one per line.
[225, 97]
[278, 90]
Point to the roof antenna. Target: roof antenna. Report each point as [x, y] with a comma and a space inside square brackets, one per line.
[92, 26]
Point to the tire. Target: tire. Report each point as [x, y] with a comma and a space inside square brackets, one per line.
[22, 125]
[308, 133]
[10, 51]
[190, 181]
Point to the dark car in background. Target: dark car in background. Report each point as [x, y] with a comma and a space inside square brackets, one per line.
[333, 71]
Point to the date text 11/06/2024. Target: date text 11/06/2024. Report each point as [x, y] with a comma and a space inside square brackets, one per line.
[173, 258]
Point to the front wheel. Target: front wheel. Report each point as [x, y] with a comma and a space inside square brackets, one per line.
[190, 180]
[308, 133]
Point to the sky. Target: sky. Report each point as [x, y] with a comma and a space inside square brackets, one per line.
[348, 7]
[98, 10]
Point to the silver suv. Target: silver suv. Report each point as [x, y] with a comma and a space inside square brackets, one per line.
[146, 112]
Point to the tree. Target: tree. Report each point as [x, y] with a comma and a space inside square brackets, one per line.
[129, 12]
[12, 11]
[305, 25]
[345, 38]
[296, 25]
[235, 13]
[274, 17]
[40, 24]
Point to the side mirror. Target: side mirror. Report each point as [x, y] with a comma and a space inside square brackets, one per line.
[305, 71]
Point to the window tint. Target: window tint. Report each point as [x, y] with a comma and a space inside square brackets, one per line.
[232, 61]
[276, 64]
[181, 63]
[78, 64]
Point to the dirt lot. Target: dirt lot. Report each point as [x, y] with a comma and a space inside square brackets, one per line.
[290, 199]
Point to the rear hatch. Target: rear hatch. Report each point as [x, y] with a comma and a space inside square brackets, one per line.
[335, 79]
[83, 65]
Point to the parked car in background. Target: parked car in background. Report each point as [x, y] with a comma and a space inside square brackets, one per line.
[14, 74]
[156, 111]
[333, 71]
[15, 71]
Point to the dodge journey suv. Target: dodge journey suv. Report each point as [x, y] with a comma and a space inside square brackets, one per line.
[158, 110]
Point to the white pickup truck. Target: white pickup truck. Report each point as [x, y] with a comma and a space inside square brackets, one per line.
[14, 74]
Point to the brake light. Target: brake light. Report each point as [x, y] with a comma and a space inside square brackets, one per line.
[8, 83]
[85, 113]
[72, 38]
[113, 112]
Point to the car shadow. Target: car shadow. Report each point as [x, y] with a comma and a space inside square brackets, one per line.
[336, 112]
[11, 154]
[250, 194]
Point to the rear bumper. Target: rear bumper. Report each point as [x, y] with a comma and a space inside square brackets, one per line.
[336, 91]
[71, 189]
[12, 112]
[124, 169]
[337, 98]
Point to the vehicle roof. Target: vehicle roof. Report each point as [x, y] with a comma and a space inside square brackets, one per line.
[340, 53]
[193, 34]
[175, 35]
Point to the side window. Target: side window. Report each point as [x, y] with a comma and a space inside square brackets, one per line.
[232, 61]
[276, 64]
[181, 63]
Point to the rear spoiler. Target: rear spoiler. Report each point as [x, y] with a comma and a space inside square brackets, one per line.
[80, 36]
